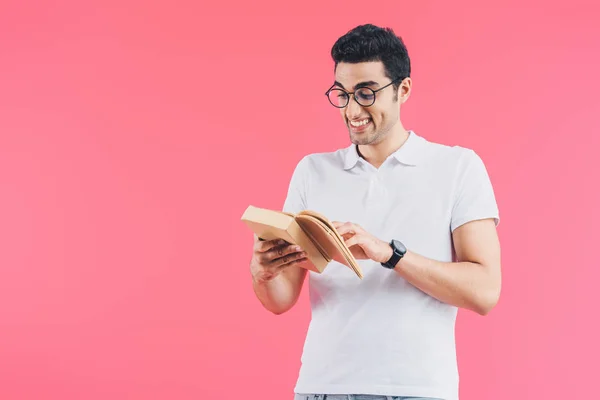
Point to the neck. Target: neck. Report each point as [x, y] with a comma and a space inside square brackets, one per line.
[376, 153]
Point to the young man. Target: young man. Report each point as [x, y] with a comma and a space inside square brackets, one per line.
[420, 216]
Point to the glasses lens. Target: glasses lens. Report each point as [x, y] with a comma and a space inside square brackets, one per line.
[365, 96]
[338, 97]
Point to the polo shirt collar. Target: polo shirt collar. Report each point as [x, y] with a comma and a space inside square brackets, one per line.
[409, 153]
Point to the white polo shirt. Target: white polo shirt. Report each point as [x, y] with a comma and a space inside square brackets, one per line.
[381, 335]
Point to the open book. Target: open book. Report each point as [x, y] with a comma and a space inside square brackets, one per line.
[307, 229]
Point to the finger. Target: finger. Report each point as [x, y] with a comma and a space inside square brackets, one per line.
[346, 228]
[347, 236]
[354, 240]
[289, 258]
[357, 228]
[296, 262]
[262, 246]
[271, 256]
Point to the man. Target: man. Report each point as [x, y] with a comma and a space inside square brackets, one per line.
[421, 218]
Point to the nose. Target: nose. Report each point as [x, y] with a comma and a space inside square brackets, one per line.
[353, 109]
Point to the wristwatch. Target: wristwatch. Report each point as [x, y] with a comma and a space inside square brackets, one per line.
[399, 250]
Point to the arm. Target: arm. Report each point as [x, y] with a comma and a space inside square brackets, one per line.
[473, 282]
[277, 277]
[281, 293]
[277, 272]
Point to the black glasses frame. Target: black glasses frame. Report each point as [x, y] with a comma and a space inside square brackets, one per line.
[352, 93]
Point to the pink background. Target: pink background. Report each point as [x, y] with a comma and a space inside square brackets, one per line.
[134, 134]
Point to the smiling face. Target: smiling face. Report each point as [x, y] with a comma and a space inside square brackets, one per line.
[369, 125]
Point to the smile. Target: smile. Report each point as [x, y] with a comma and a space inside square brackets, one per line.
[361, 122]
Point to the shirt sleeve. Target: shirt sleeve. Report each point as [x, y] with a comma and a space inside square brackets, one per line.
[475, 198]
[296, 199]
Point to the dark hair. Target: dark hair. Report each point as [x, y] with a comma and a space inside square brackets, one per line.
[367, 43]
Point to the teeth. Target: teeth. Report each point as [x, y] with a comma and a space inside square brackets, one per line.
[360, 123]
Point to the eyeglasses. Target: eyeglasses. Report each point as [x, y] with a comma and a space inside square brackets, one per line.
[364, 96]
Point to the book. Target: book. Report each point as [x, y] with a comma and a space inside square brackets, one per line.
[313, 232]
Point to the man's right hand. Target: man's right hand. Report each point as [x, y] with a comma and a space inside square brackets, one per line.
[271, 257]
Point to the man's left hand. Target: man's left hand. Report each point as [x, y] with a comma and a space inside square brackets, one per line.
[362, 244]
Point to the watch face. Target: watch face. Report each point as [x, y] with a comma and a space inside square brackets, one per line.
[399, 246]
[399, 250]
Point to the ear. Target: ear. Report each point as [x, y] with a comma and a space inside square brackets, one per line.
[404, 90]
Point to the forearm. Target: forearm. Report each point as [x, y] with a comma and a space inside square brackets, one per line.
[279, 294]
[463, 284]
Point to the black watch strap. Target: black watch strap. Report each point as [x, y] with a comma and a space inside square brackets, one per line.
[399, 250]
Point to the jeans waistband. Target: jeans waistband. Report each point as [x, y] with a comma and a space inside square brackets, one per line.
[301, 396]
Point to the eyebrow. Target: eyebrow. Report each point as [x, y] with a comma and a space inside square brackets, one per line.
[358, 85]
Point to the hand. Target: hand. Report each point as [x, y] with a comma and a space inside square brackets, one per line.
[362, 244]
[271, 257]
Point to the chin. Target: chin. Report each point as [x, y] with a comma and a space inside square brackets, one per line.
[366, 139]
[363, 141]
